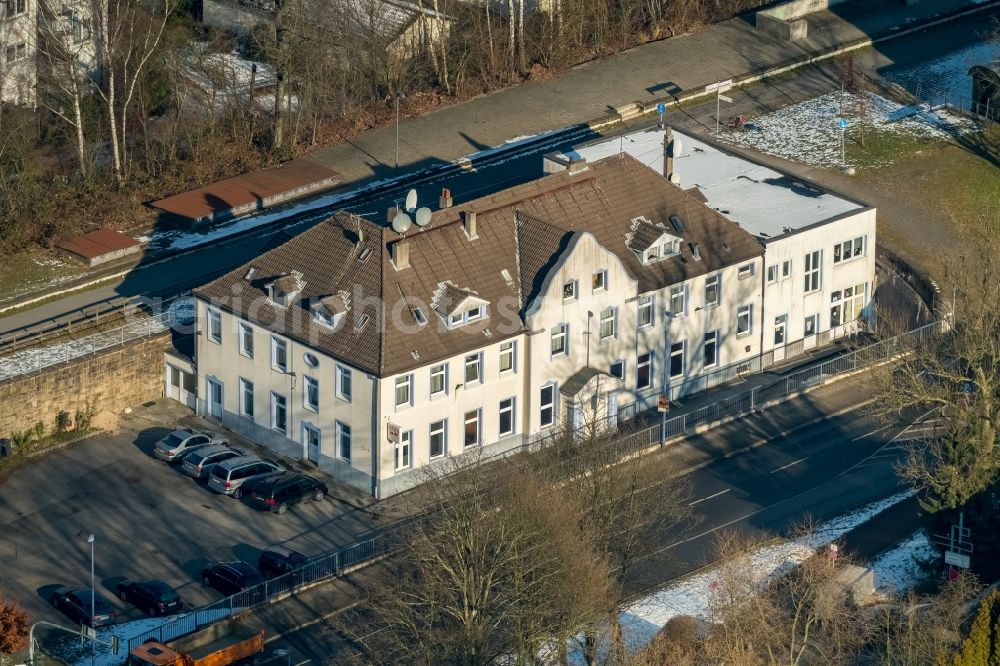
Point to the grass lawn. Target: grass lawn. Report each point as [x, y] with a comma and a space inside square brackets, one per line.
[33, 270]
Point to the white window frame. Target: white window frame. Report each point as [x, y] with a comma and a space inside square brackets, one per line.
[342, 432]
[848, 250]
[476, 361]
[599, 281]
[745, 310]
[511, 409]
[309, 382]
[611, 366]
[441, 430]
[246, 387]
[478, 420]
[772, 274]
[678, 293]
[246, 335]
[562, 332]
[405, 447]
[345, 379]
[813, 271]
[547, 411]
[781, 323]
[745, 271]
[276, 344]
[403, 382]
[711, 338]
[814, 318]
[574, 289]
[442, 370]
[639, 364]
[508, 349]
[644, 310]
[786, 269]
[683, 356]
[608, 316]
[713, 283]
[214, 318]
[275, 397]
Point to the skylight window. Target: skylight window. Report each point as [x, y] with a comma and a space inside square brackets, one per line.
[361, 322]
[418, 315]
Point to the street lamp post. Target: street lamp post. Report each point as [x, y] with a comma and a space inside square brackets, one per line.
[93, 599]
[399, 96]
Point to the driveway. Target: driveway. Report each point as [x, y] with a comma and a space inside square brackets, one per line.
[149, 518]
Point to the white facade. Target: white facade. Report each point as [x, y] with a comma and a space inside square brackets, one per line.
[18, 51]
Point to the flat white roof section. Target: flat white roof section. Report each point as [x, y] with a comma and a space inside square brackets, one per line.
[765, 202]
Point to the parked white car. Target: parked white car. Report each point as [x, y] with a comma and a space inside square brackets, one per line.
[174, 446]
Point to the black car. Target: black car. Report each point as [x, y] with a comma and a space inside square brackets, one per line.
[150, 596]
[280, 491]
[74, 602]
[231, 577]
[277, 560]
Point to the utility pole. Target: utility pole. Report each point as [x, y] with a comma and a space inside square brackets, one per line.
[93, 601]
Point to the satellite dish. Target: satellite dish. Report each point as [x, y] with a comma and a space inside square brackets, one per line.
[401, 223]
[411, 201]
[423, 216]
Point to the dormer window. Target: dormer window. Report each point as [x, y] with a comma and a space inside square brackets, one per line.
[652, 254]
[331, 310]
[458, 307]
[285, 289]
[652, 242]
[473, 314]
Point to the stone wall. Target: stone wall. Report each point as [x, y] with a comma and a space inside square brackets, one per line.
[113, 379]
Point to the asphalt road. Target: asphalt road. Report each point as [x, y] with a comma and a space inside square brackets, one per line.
[183, 272]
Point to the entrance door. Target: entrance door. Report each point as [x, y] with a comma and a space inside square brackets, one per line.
[173, 383]
[311, 438]
[612, 401]
[215, 398]
[780, 332]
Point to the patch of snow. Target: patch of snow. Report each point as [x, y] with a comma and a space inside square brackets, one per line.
[896, 570]
[48, 262]
[144, 238]
[807, 132]
[692, 595]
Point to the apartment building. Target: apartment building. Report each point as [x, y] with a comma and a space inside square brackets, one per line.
[18, 40]
[573, 297]
[819, 258]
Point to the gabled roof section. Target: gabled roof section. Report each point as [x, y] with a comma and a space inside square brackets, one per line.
[539, 246]
[644, 235]
[334, 305]
[449, 299]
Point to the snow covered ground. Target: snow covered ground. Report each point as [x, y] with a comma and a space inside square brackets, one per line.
[808, 132]
[690, 596]
[896, 570]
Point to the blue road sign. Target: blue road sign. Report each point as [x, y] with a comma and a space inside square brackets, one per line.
[842, 123]
[661, 108]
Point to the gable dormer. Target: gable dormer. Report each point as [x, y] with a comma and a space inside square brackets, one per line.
[458, 307]
[330, 311]
[651, 242]
[284, 290]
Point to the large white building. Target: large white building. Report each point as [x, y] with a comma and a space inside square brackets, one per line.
[580, 295]
[18, 39]
[819, 259]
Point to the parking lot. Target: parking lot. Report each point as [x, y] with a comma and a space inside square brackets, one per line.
[150, 520]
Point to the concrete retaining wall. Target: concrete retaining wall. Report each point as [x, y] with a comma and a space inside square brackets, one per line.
[113, 379]
[794, 9]
[788, 31]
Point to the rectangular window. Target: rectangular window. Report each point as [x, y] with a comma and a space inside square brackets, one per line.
[279, 412]
[599, 281]
[617, 369]
[507, 356]
[472, 431]
[644, 370]
[403, 390]
[786, 269]
[608, 321]
[507, 417]
[677, 359]
[473, 314]
[559, 345]
[849, 249]
[645, 311]
[547, 405]
[473, 368]
[745, 271]
[403, 447]
[343, 441]
[677, 300]
[847, 304]
[712, 284]
[438, 438]
[772, 274]
[344, 383]
[310, 393]
[569, 290]
[246, 398]
[780, 323]
[711, 348]
[811, 324]
[439, 379]
[246, 340]
[214, 326]
[279, 354]
[744, 320]
[813, 271]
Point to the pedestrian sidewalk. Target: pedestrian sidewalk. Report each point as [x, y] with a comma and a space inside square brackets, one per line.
[667, 70]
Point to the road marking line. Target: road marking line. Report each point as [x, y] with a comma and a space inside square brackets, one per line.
[788, 465]
[868, 434]
[721, 492]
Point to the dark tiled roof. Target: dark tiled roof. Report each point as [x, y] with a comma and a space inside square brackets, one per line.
[643, 235]
[520, 234]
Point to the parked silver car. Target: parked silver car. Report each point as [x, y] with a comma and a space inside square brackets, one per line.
[228, 476]
[173, 447]
[199, 462]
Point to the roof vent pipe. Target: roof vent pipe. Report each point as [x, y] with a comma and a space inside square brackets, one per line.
[469, 222]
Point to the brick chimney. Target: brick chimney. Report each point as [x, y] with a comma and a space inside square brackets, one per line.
[445, 200]
[400, 255]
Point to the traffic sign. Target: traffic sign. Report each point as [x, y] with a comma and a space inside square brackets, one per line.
[661, 108]
[842, 123]
[956, 559]
[726, 99]
[721, 86]
[663, 404]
